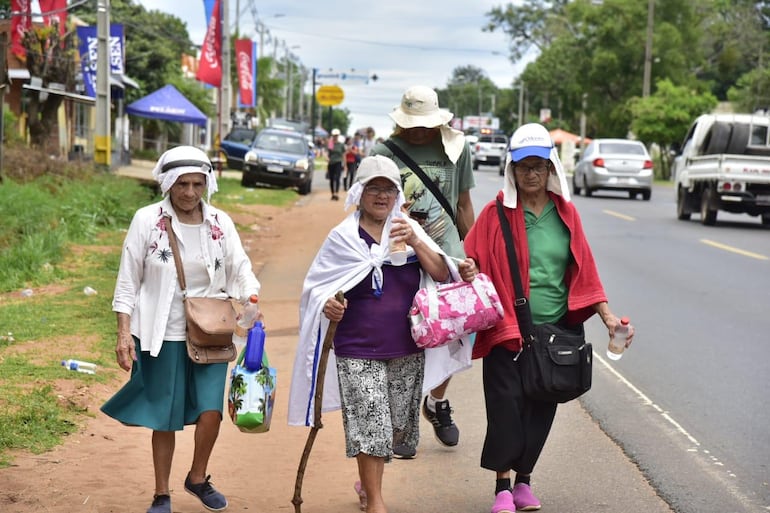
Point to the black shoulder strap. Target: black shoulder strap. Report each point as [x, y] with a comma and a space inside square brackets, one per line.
[520, 303]
[406, 159]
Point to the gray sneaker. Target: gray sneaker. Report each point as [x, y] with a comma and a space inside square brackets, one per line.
[160, 504]
[211, 499]
[404, 452]
[443, 426]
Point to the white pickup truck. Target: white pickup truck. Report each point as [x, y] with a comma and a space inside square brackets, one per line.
[724, 164]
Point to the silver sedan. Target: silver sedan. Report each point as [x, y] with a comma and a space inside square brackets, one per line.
[614, 164]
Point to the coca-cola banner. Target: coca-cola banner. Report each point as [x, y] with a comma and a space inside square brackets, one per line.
[246, 60]
[21, 21]
[54, 9]
[210, 67]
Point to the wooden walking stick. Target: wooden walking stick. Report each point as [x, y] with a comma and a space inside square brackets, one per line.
[318, 397]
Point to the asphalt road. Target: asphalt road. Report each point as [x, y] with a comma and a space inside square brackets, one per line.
[688, 402]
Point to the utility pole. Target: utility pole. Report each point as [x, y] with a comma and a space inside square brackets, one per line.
[103, 137]
[226, 96]
[648, 49]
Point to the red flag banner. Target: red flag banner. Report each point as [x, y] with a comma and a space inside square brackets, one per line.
[244, 58]
[21, 21]
[54, 9]
[210, 68]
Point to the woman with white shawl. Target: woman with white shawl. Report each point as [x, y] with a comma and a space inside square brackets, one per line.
[376, 373]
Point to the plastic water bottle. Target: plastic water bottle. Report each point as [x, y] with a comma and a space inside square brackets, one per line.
[397, 249]
[618, 344]
[79, 366]
[245, 321]
[255, 345]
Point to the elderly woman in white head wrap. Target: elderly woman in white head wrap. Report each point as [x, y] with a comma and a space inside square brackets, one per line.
[167, 390]
[560, 278]
[376, 372]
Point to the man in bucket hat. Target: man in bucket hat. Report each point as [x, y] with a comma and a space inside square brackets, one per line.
[422, 135]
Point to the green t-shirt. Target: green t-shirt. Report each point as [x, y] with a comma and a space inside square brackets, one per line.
[549, 255]
[451, 179]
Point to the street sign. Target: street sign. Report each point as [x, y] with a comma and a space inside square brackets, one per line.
[329, 95]
[334, 75]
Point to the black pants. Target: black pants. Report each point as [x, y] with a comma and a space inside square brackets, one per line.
[517, 427]
[350, 177]
[335, 172]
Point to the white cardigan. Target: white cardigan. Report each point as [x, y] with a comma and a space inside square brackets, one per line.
[147, 278]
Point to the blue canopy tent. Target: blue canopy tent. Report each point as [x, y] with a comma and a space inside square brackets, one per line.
[168, 104]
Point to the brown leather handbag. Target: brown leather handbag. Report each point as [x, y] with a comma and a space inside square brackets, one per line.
[210, 321]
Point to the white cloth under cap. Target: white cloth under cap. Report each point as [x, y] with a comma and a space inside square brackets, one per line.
[182, 160]
[533, 140]
[419, 108]
[377, 166]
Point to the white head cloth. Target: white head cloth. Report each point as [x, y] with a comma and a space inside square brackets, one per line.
[182, 160]
[531, 140]
[377, 166]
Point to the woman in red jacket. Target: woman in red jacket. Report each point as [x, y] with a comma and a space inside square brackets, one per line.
[560, 279]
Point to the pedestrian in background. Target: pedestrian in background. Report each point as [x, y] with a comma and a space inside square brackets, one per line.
[166, 390]
[336, 164]
[376, 371]
[562, 283]
[423, 134]
[352, 158]
[368, 142]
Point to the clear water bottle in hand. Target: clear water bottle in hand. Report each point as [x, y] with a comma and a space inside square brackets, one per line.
[79, 366]
[245, 321]
[618, 342]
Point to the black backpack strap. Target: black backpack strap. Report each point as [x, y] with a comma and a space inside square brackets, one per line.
[411, 164]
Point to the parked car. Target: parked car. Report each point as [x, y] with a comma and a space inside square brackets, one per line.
[614, 164]
[236, 144]
[490, 150]
[279, 157]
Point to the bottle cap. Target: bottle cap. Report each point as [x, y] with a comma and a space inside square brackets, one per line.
[625, 321]
[253, 298]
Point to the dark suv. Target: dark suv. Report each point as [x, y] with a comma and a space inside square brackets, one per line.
[279, 157]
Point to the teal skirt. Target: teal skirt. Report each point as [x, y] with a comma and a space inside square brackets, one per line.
[168, 392]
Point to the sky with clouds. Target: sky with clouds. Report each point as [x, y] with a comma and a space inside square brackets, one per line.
[403, 42]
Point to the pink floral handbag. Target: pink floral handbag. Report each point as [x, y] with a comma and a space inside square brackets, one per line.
[443, 313]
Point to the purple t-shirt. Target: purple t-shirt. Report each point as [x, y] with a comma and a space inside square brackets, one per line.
[377, 326]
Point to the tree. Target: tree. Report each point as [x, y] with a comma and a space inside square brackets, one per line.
[752, 91]
[664, 117]
[51, 58]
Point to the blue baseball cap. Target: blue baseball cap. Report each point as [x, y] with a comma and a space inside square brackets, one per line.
[531, 140]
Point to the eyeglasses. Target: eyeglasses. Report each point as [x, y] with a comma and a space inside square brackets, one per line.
[374, 190]
[539, 169]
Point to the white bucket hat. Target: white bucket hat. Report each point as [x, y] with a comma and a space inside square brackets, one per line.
[533, 140]
[419, 107]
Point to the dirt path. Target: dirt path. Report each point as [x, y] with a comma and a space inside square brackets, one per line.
[107, 467]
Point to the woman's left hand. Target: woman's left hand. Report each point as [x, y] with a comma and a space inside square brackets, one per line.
[401, 231]
[467, 269]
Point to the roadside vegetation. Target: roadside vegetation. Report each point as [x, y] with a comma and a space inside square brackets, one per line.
[61, 232]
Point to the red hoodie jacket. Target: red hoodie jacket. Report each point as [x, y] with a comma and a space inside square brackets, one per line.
[484, 243]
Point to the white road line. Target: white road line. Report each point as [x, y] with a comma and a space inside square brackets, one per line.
[732, 249]
[718, 466]
[619, 215]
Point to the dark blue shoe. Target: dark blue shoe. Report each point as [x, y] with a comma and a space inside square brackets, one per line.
[211, 499]
[160, 504]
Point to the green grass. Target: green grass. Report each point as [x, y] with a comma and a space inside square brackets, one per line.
[65, 235]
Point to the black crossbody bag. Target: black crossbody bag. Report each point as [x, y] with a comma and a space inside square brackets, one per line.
[555, 361]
